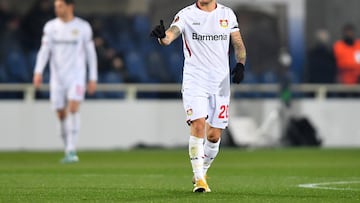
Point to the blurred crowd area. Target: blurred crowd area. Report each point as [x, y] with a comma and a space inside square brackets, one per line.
[127, 54]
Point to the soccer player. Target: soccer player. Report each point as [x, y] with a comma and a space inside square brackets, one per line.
[67, 42]
[207, 28]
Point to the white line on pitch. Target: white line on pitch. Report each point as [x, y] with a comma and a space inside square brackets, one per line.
[325, 186]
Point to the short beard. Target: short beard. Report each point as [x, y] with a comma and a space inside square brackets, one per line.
[205, 4]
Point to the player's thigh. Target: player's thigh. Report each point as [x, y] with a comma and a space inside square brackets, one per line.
[218, 111]
[73, 106]
[195, 106]
[58, 97]
[213, 134]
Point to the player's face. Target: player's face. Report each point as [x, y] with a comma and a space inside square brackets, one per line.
[61, 9]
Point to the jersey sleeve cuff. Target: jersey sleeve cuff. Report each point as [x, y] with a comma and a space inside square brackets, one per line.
[235, 30]
[178, 26]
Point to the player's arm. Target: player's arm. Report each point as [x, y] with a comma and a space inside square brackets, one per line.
[91, 58]
[240, 56]
[92, 65]
[42, 58]
[239, 47]
[165, 37]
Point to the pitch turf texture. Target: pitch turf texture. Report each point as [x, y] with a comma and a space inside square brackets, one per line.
[267, 175]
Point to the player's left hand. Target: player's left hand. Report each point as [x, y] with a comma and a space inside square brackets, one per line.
[159, 31]
[91, 87]
[238, 73]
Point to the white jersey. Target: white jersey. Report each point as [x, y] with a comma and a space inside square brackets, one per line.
[206, 40]
[71, 48]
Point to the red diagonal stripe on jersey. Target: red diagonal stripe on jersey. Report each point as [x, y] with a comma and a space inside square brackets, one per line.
[187, 47]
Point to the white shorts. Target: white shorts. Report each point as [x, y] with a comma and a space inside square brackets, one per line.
[211, 106]
[60, 95]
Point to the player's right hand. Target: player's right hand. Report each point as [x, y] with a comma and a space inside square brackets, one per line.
[159, 31]
[37, 80]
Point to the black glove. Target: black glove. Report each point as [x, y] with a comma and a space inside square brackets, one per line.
[159, 31]
[238, 73]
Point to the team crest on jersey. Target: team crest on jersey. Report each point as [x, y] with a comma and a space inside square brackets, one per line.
[189, 112]
[75, 32]
[224, 23]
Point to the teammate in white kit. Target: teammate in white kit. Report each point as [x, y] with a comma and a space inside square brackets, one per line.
[67, 42]
[206, 29]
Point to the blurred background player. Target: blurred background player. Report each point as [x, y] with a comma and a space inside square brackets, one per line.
[67, 41]
[207, 28]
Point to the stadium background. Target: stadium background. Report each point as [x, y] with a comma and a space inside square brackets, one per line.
[127, 56]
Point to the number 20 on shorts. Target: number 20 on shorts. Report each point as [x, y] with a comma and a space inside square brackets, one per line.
[224, 112]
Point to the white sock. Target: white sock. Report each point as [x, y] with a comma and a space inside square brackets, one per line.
[210, 150]
[63, 126]
[196, 153]
[74, 126]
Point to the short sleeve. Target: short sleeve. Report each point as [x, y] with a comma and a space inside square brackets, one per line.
[234, 25]
[179, 21]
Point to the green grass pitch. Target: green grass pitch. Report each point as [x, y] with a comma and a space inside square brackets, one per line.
[264, 175]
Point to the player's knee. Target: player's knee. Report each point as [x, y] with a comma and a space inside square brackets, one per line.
[213, 135]
[213, 139]
[74, 107]
[73, 110]
[198, 128]
[61, 114]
